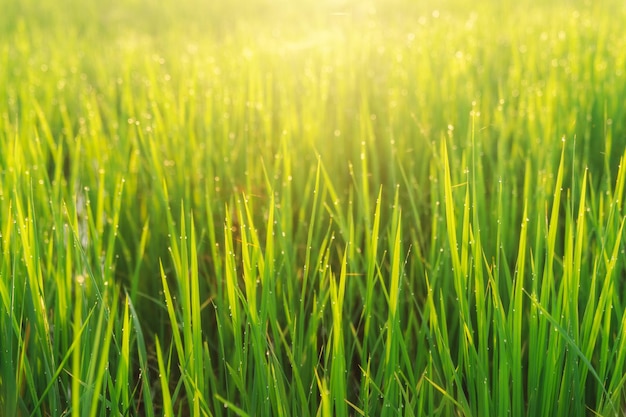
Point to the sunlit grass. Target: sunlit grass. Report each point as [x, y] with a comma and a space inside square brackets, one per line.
[329, 209]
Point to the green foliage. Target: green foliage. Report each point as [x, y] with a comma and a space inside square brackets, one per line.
[324, 209]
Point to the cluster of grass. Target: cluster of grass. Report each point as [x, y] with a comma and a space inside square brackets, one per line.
[330, 209]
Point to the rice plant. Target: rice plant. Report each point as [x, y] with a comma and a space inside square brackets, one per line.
[314, 208]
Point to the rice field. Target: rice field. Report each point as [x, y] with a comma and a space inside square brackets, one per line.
[313, 208]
